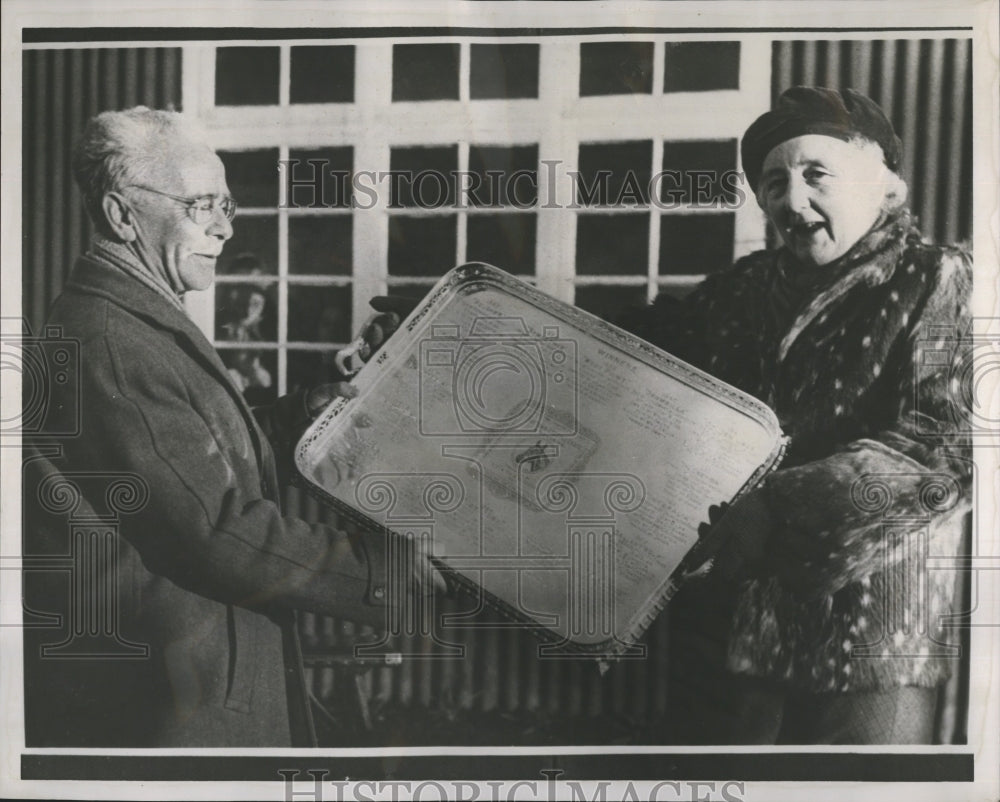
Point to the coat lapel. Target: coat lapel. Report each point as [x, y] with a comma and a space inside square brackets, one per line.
[95, 277]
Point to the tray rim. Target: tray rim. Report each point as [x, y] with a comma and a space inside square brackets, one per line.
[467, 274]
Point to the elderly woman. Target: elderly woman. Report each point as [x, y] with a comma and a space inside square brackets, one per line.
[820, 622]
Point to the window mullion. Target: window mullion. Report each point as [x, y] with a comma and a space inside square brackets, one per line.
[755, 90]
[462, 234]
[284, 75]
[558, 71]
[283, 288]
[370, 226]
[462, 219]
[654, 224]
[652, 285]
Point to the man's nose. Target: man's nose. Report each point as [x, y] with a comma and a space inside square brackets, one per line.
[220, 225]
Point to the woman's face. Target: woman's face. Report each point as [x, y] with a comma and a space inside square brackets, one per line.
[255, 308]
[823, 194]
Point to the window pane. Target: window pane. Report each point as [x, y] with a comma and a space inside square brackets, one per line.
[319, 177]
[320, 245]
[254, 372]
[306, 369]
[691, 244]
[702, 173]
[701, 66]
[422, 246]
[246, 312]
[252, 176]
[425, 72]
[322, 74]
[609, 302]
[616, 68]
[503, 176]
[503, 240]
[612, 244]
[253, 248]
[319, 314]
[423, 177]
[246, 76]
[503, 71]
[615, 174]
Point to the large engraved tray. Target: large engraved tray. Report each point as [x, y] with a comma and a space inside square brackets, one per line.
[556, 465]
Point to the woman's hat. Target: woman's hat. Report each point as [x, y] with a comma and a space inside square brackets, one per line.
[817, 110]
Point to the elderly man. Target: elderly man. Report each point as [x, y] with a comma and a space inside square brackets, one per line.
[820, 622]
[210, 571]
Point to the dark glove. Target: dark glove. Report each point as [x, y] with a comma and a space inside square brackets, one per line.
[735, 538]
[744, 530]
[390, 309]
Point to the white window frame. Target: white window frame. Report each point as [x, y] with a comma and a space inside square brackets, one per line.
[558, 121]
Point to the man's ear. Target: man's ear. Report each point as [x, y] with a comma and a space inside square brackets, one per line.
[119, 215]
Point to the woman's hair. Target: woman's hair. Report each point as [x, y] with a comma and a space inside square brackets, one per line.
[118, 148]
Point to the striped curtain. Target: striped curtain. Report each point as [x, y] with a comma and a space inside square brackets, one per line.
[925, 88]
[62, 89]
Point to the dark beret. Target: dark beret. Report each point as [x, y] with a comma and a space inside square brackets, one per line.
[816, 110]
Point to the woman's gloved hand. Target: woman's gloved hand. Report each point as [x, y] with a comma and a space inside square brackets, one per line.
[735, 538]
[744, 529]
[393, 308]
[389, 313]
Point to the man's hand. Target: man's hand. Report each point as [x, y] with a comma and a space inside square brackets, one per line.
[426, 577]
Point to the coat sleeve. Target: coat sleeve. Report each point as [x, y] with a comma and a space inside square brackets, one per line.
[829, 517]
[207, 526]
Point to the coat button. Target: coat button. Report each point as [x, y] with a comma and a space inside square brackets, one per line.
[379, 593]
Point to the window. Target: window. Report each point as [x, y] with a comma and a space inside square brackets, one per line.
[616, 68]
[601, 171]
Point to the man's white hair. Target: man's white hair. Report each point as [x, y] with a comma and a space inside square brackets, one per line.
[119, 148]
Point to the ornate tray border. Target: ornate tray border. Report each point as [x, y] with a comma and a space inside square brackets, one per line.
[477, 272]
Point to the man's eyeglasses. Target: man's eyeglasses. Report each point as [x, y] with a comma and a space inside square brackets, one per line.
[199, 209]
